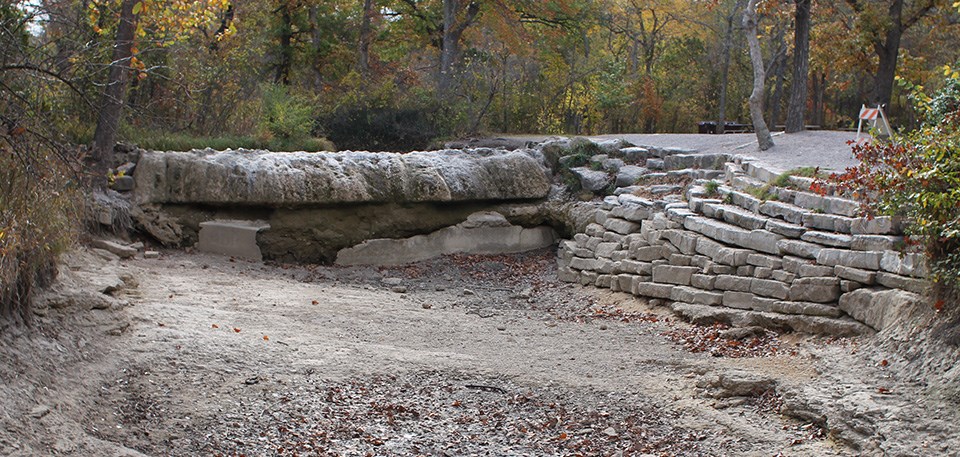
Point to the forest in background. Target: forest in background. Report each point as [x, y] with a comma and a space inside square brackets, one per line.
[398, 74]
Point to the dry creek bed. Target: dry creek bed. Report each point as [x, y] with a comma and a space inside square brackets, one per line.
[459, 356]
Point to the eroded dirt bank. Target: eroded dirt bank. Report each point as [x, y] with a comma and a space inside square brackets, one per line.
[458, 356]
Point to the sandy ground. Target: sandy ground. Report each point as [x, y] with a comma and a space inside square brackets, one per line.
[457, 356]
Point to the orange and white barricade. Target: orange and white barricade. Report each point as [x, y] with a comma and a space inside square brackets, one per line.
[875, 118]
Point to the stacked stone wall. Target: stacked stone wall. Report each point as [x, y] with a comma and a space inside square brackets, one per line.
[796, 261]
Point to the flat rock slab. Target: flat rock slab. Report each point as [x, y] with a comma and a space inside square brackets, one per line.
[468, 237]
[233, 238]
[241, 177]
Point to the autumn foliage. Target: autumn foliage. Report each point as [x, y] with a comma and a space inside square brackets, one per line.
[917, 176]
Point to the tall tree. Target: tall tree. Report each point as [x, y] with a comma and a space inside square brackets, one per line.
[457, 16]
[885, 35]
[796, 109]
[759, 76]
[115, 91]
[366, 37]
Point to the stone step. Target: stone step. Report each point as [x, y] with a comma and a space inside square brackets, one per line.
[757, 240]
[696, 161]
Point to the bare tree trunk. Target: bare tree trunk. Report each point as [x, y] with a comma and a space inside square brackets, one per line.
[756, 56]
[796, 110]
[366, 37]
[285, 61]
[779, 71]
[819, 83]
[725, 69]
[450, 47]
[114, 94]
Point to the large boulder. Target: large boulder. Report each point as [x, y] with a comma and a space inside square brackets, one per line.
[285, 179]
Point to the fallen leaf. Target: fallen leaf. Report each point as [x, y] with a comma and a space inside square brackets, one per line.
[161, 324]
[884, 363]
[883, 390]
[215, 326]
[562, 436]
[236, 330]
[266, 338]
[938, 305]
[314, 302]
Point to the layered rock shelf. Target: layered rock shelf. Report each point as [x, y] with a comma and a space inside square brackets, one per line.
[797, 261]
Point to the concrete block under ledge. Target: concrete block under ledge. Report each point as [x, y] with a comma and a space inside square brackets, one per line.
[231, 237]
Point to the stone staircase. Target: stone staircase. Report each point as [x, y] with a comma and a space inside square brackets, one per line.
[794, 261]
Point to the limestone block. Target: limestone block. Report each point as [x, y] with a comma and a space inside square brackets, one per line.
[600, 216]
[785, 211]
[646, 253]
[233, 238]
[609, 202]
[632, 213]
[701, 281]
[769, 288]
[605, 281]
[762, 272]
[739, 300]
[578, 263]
[875, 242]
[810, 270]
[744, 218]
[746, 270]
[913, 264]
[745, 201]
[804, 308]
[855, 274]
[817, 290]
[762, 260]
[865, 260]
[593, 243]
[680, 260]
[581, 239]
[592, 180]
[799, 248]
[621, 226]
[652, 289]
[849, 286]
[717, 269]
[613, 237]
[685, 241]
[828, 239]
[606, 250]
[883, 225]
[917, 286]
[692, 295]
[783, 276]
[878, 309]
[669, 274]
[606, 266]
[126, 252]
[829, 222]
[785, 228]
[793, 264]
[734, 283]
[594, 230]
[588, 278]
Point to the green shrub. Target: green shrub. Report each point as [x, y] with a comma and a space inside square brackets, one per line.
[38, 214]
[167, 141]
[286, 117]
[712, 188]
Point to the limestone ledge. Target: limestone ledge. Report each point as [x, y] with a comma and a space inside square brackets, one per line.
[288, 179]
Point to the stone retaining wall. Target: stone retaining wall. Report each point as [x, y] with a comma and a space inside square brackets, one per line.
[800, 262]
